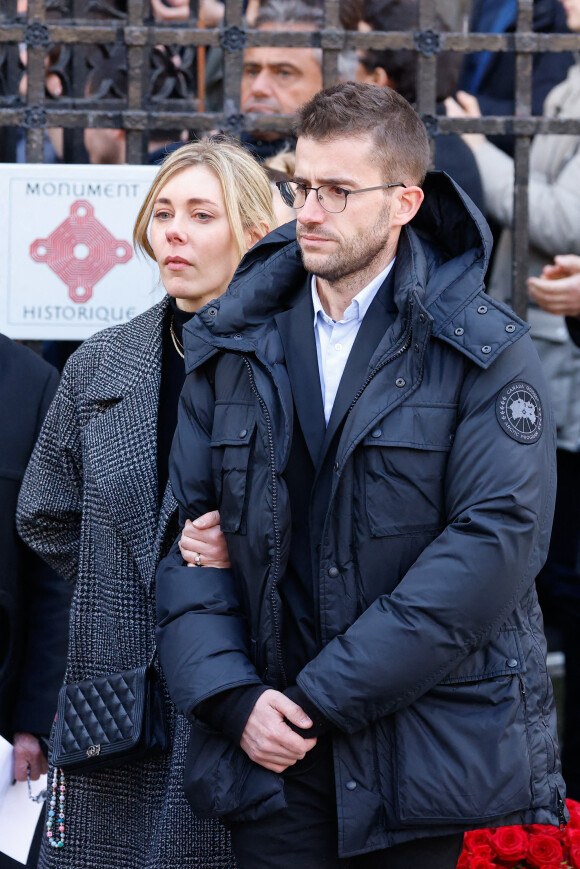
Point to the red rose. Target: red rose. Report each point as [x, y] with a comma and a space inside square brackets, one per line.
[476, 837]
[483, 851]
[464, 861]
[546, 830]
[574, 809]
[544, 851]
[510, 843]
[482, 863]
[575, 855]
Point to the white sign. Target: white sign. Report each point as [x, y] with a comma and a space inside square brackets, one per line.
[67, 263]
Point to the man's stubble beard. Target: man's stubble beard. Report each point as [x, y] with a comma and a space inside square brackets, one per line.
[354, 256]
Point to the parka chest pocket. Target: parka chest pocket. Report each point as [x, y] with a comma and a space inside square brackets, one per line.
[405, 458]
[232, 440]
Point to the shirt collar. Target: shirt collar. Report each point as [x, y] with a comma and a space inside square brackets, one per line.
[359, 305]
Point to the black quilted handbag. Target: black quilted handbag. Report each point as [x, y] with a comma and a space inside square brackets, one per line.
[108, 721]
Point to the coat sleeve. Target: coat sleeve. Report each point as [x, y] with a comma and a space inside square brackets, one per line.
[499, 496]
[50, 500]
[202, 636]
[554, 206]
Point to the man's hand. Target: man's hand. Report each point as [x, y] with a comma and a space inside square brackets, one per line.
[557, 291]
[28, 753]
[202, 542]
[268, 740]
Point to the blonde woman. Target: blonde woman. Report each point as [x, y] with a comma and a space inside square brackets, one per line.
[96, 505]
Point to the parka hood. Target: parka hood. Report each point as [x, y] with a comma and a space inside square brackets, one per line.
[442, 258]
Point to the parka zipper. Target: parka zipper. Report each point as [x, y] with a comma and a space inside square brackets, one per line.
[405, 343]
[524, 697]
[277, 538]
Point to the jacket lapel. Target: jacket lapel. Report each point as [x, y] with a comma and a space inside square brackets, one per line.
[378, 318]
[297, 335]
[123, 403]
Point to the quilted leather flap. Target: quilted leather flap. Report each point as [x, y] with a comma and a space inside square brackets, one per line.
[104, 712]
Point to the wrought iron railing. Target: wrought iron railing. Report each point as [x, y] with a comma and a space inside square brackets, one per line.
[71, 38]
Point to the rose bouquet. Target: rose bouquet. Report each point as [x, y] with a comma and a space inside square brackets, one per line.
[530, 847]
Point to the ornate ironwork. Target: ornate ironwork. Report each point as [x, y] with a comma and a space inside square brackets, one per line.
[432, 124]
[36, 34]
[34, 117]
[173, 73]
[234, 124]
[107, 76]
[427, 42]
[233, 39]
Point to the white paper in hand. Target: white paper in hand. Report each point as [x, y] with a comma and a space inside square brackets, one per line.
[18, 813]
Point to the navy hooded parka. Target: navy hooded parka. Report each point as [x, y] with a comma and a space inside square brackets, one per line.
[437, 519]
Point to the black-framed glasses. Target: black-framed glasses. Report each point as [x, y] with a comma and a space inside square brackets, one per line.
[331, 197]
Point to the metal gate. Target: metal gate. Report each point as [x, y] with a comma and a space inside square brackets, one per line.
[162, 65]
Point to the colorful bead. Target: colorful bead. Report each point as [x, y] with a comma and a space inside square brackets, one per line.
[53, 840]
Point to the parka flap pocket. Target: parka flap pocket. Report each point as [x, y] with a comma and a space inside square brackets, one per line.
[233, 424]
[418, 426]
[232, 438]
[461, 749]
[405, 460]
[502, 656]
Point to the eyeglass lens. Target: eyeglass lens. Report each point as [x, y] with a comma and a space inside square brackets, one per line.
[331, 198]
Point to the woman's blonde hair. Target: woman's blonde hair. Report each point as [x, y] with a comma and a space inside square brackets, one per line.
[245, 185]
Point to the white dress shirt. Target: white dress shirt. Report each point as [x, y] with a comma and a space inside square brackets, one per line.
[334, 340]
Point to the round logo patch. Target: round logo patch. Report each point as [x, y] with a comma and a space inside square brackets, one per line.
[519, 412]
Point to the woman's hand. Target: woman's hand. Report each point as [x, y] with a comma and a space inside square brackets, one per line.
[465, 106]
[202, 542]
[173, 10]
[28, 755]
[557, 291]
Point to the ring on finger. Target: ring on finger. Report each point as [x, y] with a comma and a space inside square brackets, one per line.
[197, 560]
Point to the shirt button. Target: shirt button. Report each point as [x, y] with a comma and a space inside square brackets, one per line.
[333, 572]
[510, 327]
[377, 433]
[482, 309]
[486, 348]
[350, 785]
[400, 382]
[335, 466]
[338, 346]
[459, 331]
[512, 662]
[243, 432]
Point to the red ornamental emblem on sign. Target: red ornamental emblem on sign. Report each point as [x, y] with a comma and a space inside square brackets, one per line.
[81, 251]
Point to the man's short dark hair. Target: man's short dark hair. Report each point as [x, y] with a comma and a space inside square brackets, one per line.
[281, 12]
[355, 109]
[401, 64]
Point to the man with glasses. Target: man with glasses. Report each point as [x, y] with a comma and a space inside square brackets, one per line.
[368, 680]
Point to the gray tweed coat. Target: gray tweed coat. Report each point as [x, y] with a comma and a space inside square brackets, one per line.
[89, 506]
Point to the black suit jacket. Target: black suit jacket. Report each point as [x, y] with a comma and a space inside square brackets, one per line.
[34, 601]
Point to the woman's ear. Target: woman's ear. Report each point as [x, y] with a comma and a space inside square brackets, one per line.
[255, 233]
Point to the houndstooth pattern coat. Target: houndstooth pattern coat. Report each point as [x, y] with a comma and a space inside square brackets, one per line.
[89, 506]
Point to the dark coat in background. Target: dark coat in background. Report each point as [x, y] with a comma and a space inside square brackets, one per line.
[89, 505]
[34, 601]
[490, 75]
[427, 538]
